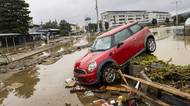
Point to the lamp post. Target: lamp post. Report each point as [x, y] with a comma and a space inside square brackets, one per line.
[97, 14]
[176, 7]
[176, 12]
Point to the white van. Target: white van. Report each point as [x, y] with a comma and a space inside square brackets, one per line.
[187, 27]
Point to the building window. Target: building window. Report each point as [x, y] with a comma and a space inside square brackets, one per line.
[111, 19]
[138, 15]
[122, 19]
[138, 18]
[121, 15]
[130, 18]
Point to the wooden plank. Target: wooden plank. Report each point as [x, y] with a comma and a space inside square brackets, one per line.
[157, 101]
[159, 86]
[123, 77]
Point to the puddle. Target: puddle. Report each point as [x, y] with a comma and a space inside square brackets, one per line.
[20, 85]
[14, 86]
[42, 87]
[172, 46]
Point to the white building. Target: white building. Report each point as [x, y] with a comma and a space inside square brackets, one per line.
[75, 29]
[115, 18]
[160, 16]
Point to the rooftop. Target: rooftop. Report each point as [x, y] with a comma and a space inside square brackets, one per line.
[10, 34]
[136, 11]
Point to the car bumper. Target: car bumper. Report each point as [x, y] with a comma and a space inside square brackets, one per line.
[86, 79]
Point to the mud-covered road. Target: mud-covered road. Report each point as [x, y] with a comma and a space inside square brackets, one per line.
[42, 87]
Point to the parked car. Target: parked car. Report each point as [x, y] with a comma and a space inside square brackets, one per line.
[115, 47]
[187, 27]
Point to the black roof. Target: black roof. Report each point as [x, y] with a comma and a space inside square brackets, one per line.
[126, 11]
[136, 11]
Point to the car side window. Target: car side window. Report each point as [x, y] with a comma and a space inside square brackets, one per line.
[135, 28]
[122, 35]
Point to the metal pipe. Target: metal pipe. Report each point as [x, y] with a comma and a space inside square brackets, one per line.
[25, 42]
[14, 43]
[7, 45]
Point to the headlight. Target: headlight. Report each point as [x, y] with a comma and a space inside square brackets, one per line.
[92, 66]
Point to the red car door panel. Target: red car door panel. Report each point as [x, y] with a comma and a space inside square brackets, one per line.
[126, 50]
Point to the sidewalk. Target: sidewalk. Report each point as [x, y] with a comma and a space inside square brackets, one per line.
[19, 56]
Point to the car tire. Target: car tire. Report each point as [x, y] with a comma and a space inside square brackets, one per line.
[109, 74]
[150, 45]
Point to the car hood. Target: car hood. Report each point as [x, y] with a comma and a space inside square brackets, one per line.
[90, 57]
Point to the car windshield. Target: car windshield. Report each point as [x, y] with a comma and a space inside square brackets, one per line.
[102, 44]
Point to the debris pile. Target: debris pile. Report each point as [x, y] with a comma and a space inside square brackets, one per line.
[103, 95]
[163, 72]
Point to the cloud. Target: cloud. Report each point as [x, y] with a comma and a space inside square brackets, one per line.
[75, 11]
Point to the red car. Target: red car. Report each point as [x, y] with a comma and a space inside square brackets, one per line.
[117, 47]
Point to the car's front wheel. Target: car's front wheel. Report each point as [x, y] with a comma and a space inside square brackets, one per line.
[150, 45]
[109, 74]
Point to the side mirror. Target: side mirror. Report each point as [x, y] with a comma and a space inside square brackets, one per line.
[119, 44]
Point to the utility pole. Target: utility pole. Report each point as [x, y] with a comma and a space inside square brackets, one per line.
[97, 13]
[177, 12]
[177, 15]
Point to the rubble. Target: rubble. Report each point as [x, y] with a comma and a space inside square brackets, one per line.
[88, 94]
[163, 72]
[70, 83]
[99, 102]
[114, 88]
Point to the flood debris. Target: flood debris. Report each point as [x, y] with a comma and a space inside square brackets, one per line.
[99, 102]
[78, 89]
[105, 95]
[163, 72]
[114, 88]
[70, 83]
[47, 57]
[88, 94]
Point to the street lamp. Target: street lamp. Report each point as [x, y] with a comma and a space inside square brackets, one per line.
[97, 14]
[177, 17]
[176, 12]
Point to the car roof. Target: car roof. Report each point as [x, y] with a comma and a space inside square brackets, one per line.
[117, 29]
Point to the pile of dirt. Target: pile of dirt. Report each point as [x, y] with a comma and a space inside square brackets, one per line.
[164, 72]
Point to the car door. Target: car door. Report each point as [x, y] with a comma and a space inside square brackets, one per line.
[125, 50]
[138, 37]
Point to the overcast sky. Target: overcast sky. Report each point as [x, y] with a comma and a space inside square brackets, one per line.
[75, 11]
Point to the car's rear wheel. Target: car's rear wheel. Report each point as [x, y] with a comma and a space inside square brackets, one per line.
[109, 74]
[150, 45]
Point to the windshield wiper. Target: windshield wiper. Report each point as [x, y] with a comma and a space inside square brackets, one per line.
[98, 50]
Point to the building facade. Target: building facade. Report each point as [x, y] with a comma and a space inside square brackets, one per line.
[114, 18]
